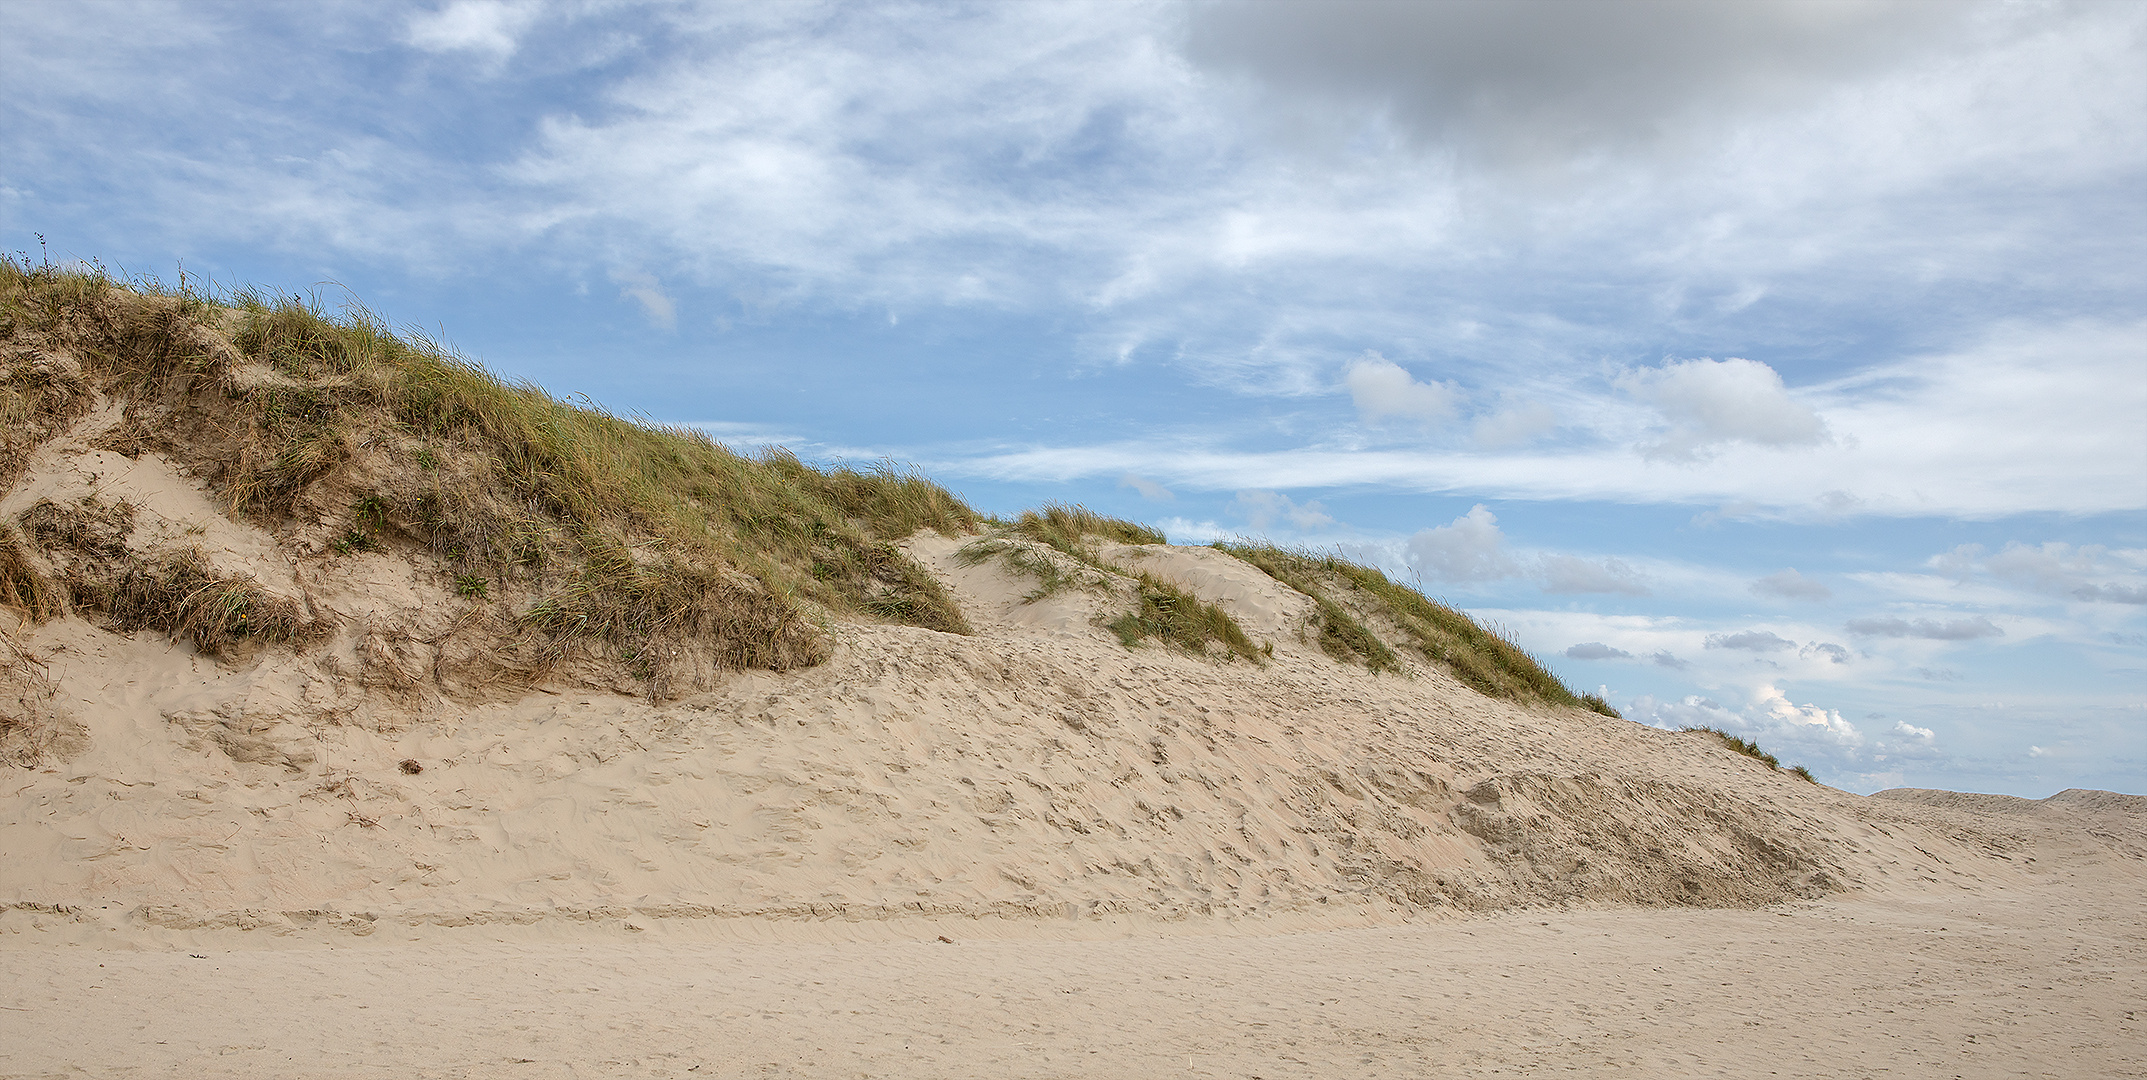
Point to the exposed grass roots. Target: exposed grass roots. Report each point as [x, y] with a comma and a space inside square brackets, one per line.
[181, 597]
[1029, 559]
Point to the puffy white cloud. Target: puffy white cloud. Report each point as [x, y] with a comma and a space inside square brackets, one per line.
[1790, 585]
[1470, 549]
[1383, 389]
[1263, 509]
[1571, 574]
[1759, 641]
[1596, 650]
[1148, 489]
[1951, 630]
[1710, 402]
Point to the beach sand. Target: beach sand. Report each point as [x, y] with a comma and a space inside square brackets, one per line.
[2040, 981]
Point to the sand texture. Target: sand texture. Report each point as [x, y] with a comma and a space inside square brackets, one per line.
[369, 851]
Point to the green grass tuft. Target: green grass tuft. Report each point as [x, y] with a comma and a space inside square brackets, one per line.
[1068, 528]
[1751, 750]
[1341, 635]
[1485, 660]
[1172, 615]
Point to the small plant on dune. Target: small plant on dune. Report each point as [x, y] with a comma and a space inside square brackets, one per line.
[1168, 613]
[1025, 558]
[1599, 703]
[1341, 635]
[1751, 750]
[1162, 611]
[1485, 659]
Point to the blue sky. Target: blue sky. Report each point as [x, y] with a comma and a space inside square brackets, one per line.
[1775, 366]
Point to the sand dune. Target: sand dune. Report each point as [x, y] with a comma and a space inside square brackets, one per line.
[375, 843]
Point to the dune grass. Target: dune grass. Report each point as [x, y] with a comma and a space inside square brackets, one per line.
[595, 529]
[613, 529]
[1161, 610]
[1751, 750]
[1487, 661]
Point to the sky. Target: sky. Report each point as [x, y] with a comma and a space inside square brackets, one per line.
[1774, 366]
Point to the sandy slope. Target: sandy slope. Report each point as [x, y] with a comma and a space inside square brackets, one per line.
[1038, 769]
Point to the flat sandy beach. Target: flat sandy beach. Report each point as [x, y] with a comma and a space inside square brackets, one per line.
[2040, 981]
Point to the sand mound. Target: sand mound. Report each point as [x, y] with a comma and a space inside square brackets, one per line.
[1036, 770]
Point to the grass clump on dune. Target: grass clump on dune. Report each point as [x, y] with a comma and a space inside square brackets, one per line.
[1161, 611]
[606, 531]
[1487, 661]
[1751, 750]
[1341, 635]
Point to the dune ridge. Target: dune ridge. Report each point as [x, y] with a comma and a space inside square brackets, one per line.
[275, 695]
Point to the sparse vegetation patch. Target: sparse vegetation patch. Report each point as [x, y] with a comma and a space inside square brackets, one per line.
[1751, 750]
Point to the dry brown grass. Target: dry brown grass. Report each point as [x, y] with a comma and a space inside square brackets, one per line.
[607, 533]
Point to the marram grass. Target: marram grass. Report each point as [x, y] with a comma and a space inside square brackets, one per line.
[593, 529]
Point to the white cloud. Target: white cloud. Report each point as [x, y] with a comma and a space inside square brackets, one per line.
[1790, 585]
[1470, 549]
[1596, 650]
[642, 288]
[1515, 427]
[1186, 531]
[1541, 83]
[1570, 574]
[1952, 630]
[1710, 402]
[1834, 653]
[490, 27]
[2031, 419]
[1383, 390]
[1148, 489]
[1263, 509]
[1760, 641]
